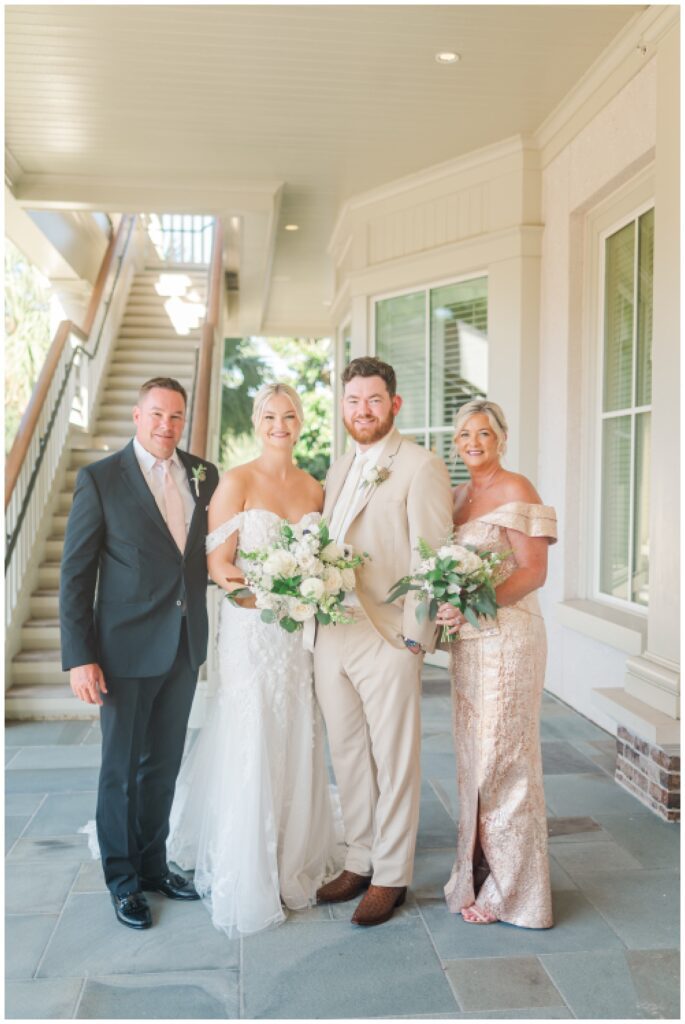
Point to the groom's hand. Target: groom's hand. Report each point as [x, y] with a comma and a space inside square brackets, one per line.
[87, 683]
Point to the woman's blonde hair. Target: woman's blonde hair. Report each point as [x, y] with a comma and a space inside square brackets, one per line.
[494, 413]
[266, 392]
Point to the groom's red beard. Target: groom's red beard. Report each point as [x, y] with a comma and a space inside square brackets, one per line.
[374, 432]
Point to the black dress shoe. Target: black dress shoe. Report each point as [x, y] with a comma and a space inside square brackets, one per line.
[176, 887]
[132, 910]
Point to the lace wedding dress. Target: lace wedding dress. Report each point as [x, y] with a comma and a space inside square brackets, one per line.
[252, 813]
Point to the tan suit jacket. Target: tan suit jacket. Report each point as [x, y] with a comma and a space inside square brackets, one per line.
[414, 501]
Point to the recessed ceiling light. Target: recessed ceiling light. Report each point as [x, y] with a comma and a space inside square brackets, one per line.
[447, 57]
[292, 227]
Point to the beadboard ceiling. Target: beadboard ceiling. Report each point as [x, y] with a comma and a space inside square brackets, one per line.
[327, 100]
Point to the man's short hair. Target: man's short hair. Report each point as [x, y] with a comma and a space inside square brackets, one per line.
[369, 366]
[170, 383]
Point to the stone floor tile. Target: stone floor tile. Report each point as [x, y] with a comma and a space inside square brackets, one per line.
[656, 977]
[28, 891]
[596, 984]
[575, 830]
[182, 938]
[446, 791]
[438, 766]
[26, 936]
[23, 803]
[71, 756]
[641, 906]
[436, 827]
[337, 971]
[559, 758]
[578, 926]
[652, 842]
[11, 754]
[505, 983]
[581, 858]
[546, 1013]
[93, 735]
[560, 880]
[62, 814]
[318, 913]
[570, 727]
[14, 826]
[90, 877]
[344, 911]
[432, 868]
[75, 732]
[435, 742]
[570, 795]
[28, 734]
[70, 849]
[174, 995]
[56, 780]
[42, 998]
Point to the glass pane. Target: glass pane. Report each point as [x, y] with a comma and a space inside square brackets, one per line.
[641, 513]
[643, 385]
[615, 507]
[618, 319]
[400, 340]
[459, 347]
[442, 445]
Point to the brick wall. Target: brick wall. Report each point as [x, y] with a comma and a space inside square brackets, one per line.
[650, 773]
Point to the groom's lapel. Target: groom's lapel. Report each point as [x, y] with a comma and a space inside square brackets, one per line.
[133, 476]
[196, 491]
[392, 446]
[335, 486]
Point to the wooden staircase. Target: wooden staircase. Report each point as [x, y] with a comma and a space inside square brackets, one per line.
[148, 345]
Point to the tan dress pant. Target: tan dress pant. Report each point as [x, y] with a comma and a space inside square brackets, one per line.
[369, 693]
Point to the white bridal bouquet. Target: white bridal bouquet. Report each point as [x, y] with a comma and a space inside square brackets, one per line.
[455, 574]
[303, 575]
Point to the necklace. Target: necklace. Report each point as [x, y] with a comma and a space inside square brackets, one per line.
[484, 488]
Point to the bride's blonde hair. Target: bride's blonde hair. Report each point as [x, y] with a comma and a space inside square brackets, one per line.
[266, 392]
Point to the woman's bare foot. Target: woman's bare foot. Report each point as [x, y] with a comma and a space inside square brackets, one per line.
[476, 915]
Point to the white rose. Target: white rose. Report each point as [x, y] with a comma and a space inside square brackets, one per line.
[370, 474]
[332, 579]
[269, 602]
[299, 611]
[312, 565]
[428, 565]
[331, 553]
[312, 587]
[349, 580]
[467, 561]
[280, 563]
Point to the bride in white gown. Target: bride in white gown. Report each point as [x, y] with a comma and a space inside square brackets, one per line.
[252, 812]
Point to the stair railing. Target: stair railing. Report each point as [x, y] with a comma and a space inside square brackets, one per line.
[64, 394]
[203, 400]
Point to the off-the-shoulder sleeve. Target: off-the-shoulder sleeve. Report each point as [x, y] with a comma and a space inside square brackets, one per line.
[222, 533]
[533, 520]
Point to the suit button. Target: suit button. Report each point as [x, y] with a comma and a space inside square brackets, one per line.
[179, 603]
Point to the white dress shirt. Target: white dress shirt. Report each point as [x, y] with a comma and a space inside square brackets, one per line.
[154, 477]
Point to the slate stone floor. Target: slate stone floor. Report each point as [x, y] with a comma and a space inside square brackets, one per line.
[612, 953]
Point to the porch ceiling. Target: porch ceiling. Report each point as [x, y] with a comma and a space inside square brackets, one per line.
[328, 100]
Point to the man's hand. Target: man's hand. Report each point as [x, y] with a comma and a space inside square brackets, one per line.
[87, 683]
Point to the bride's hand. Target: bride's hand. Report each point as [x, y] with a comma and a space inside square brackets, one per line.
[451, 617]
[248, 600]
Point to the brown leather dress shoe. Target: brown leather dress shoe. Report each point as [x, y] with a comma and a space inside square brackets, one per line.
[345, 887]
[379, 904]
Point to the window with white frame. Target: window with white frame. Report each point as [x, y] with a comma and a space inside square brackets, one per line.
[436, 339]
[625, 414]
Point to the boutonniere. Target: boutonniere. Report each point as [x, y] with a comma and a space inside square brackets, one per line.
[372, 476]
[199, 477]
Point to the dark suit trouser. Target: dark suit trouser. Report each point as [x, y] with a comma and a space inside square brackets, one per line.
[143, 725]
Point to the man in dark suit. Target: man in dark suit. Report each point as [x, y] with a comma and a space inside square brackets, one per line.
[137, 532]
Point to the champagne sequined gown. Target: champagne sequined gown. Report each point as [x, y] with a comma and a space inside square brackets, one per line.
[497, 679]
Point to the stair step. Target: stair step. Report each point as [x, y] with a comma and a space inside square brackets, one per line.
[46, 701]
[44, 603]
[171, 363]
[54, 548]
[38, 668]
[123, 428]
[87, 456]
[134, 380]
[40, 634]
[65, 500]
[182, 350]
[48, 575]
[162, 334]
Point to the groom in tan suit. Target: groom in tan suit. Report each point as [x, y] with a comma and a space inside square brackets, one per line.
[380, 497]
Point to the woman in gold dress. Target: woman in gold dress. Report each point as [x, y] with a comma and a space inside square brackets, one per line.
[501, 872]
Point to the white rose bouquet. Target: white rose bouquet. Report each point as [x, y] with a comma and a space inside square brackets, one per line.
[455, 574]
[303, 575]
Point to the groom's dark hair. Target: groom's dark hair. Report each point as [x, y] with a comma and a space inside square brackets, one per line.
[369, 366]
[169, 383]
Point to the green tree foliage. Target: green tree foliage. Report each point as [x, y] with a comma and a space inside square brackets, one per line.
[27, 334]
[244, 371]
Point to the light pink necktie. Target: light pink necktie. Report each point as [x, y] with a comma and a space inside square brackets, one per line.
[173, 502]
